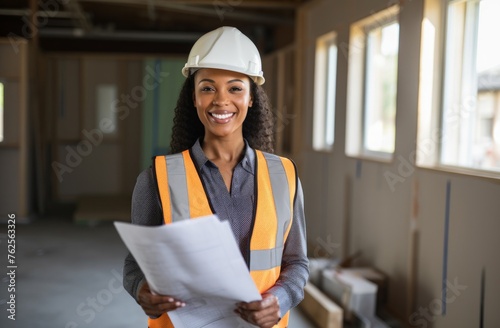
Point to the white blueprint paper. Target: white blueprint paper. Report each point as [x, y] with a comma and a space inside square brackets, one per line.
[198, 262]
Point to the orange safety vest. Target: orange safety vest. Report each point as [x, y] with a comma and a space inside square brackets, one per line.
[183, 196]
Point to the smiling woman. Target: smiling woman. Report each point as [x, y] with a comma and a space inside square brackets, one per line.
[222, 163]
[222, 99]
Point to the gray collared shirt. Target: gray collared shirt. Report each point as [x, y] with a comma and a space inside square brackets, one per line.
[235, 206]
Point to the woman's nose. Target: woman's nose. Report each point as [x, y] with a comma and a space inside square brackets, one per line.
[220, 99]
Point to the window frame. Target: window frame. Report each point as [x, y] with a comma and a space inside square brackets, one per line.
[357, 84]
[364, 150]
[325, 92]
[447, 106]
[433, 102]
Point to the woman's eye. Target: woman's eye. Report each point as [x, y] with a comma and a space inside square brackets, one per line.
[236, 89]
[206, 89]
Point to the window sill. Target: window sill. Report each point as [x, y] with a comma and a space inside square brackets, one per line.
[376, 157]
[463, 171]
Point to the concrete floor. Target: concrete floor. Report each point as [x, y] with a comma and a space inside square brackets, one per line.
[69, 276]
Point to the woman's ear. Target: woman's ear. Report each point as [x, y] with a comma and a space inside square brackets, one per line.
[250, 103]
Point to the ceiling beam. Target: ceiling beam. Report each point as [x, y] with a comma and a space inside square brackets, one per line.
[272, 4]
[222, 10]
[27, 12]
[181, 37]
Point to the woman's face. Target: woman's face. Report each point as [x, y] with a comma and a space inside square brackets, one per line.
[221, 99]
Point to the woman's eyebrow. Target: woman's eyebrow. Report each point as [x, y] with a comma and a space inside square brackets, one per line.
[207, 80]
[235, 80]
[212, 81]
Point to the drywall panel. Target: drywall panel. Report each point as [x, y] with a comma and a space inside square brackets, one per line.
[11, 61]
[306, 113]
[270, 68]
[323, 202]
[315, 186]
[130, 116]
[280, 86]
[68, 99]
[286, 113]
[9, 177]
[12, 106]
[379, 226]
[88, 167]
[458, 227]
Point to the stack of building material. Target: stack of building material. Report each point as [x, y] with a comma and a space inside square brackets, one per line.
[324, 312]
[355, 294]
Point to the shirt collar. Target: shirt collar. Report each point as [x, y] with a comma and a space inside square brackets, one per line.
[247, 162]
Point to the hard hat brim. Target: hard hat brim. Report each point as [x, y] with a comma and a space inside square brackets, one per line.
[258, 79]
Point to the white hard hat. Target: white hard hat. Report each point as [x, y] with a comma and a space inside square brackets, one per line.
[226, 48]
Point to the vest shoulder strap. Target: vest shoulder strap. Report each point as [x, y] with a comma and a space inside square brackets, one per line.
[161, 178]
[276, 181]
[181, 190]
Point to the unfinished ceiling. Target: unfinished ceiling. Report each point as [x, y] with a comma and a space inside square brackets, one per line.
[144, 25]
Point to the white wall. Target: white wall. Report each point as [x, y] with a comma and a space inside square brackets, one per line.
[350, 206]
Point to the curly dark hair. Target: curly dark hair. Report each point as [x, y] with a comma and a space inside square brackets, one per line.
[258, 127]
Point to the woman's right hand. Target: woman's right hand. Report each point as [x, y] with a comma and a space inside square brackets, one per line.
[155, 305]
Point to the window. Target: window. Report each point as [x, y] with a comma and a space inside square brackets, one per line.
[380, 94]
[106, 95]
[1, 111]
[324, 92]
[372, 85]
[470, 117]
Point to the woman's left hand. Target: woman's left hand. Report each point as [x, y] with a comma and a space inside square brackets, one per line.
[264, 313]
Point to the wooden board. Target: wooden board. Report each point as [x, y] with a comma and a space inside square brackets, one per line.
[320, 309]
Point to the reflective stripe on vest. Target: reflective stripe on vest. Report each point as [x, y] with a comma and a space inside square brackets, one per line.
[183, 196]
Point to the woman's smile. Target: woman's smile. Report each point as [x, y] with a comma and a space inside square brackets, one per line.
[221, 117]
